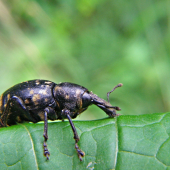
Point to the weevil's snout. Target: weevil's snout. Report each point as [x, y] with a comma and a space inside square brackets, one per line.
[105, 105]
[111, 111]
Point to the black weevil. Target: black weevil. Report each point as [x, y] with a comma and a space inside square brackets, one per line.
[38, 100]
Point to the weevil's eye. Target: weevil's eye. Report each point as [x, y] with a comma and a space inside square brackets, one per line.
[86, 100]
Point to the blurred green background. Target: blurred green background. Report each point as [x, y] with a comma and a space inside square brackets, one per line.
[94, 43]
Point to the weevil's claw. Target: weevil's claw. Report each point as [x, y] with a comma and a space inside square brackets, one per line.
[46, 152]
[79, 152]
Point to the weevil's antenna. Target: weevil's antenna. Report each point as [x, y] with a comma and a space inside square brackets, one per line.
[119, 85]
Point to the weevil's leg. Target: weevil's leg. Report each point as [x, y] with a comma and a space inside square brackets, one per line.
[79, 151]
[46, 152]
[21, 112]
[1, 124]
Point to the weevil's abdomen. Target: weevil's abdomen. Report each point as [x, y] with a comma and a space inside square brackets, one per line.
[35, 96]
[1, 105]
[33, 93]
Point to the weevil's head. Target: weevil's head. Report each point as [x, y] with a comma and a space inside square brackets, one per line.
[105, 105]
[76, 99]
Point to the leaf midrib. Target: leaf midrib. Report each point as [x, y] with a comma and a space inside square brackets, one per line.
[32, 144]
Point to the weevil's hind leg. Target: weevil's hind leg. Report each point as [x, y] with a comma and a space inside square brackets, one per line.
[21, 112]
[46, 151]
[79, 151]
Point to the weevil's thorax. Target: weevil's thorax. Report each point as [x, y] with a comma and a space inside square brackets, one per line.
[69, 96]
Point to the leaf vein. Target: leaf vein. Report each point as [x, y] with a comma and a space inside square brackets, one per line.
[32, 143]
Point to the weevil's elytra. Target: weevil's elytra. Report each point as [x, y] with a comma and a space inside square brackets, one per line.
[37, 100]
[1, 104]
[31, 92]
[26, 101]
[37, 82]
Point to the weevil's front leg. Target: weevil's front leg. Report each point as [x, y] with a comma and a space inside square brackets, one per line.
[76, 137]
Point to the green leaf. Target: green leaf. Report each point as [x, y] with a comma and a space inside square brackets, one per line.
[144, 142]
[22, 145]
[127, 142]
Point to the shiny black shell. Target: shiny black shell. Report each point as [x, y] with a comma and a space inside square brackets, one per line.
[70, 96]
[35, 94]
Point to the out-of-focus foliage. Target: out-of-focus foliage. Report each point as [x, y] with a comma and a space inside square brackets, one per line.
[97, 44]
